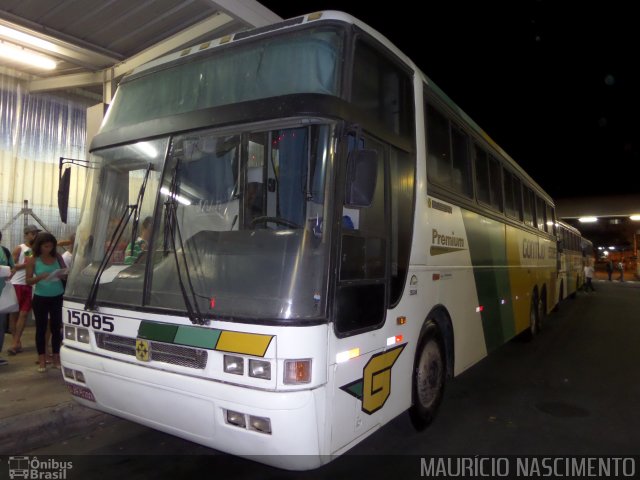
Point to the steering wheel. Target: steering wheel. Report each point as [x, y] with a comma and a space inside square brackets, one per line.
[277, 220]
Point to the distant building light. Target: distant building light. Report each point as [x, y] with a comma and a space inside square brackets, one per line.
[600, 248]
[612, 248]
[588, 219]
[635, 218]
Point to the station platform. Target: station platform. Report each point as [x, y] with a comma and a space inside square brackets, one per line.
[36, 409]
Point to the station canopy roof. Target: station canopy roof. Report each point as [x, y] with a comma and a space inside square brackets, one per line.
[92, 43]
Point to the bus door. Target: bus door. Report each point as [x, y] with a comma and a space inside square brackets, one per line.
[361, 290]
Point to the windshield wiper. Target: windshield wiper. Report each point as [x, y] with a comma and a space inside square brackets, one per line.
[172, 227]
[115, 238]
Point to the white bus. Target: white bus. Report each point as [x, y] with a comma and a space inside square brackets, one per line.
[573, 251]
[321, 238]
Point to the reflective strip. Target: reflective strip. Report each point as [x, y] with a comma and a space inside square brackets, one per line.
[244, 343]
[209, 338]
[197, 337]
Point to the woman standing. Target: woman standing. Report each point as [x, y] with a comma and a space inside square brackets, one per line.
[47, 299]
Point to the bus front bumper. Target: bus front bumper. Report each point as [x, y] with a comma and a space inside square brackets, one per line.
[196, 409]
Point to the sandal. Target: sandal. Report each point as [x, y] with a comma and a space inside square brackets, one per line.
[42, 369]
[12, 352]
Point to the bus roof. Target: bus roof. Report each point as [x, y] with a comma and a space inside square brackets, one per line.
[197, 50]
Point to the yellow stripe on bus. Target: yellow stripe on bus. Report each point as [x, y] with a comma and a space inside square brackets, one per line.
[244, 343]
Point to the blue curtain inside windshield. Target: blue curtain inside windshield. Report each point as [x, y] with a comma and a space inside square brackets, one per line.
[210, 171]
[292, 149]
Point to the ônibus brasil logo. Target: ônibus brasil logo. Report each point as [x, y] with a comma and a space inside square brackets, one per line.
[33, 468]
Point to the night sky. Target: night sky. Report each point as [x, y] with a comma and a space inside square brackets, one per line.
[556, 86]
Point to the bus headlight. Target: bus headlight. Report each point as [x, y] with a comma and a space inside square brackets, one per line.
[236, 418]
[297, 371]
[69, 333]
[260, 424]
[83, 335]
[234, 365]
[260, 369]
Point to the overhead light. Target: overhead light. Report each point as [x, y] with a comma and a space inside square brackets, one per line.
[27, 57]
[26, 38]
[635, 218]
[588, 219]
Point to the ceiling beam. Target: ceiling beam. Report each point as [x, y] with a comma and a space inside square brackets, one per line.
[65, 81]
[249, 11]
[180, 39]
[173, 43]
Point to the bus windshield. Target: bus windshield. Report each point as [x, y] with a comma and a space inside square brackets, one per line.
[307, 61]
[235, 223]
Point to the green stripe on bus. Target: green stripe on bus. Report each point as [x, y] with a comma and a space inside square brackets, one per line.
[489, 260]
[197, 337]
[159, 332]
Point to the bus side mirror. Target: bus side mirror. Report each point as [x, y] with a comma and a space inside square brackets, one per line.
[63, 194]
[362, 173]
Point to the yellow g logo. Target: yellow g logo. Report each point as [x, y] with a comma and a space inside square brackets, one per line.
[375, 386]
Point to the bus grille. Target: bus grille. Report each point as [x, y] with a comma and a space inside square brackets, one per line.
[160, 352]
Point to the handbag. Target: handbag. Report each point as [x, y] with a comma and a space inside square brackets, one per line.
[8, 299]
[62, 265]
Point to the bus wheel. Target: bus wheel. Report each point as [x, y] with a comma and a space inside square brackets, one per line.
[542, 312]
[428, 380]
[534, 319]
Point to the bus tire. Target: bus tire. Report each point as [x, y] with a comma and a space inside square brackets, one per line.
[542, 311]
[428, 379]
[560, 297]
[534, 319]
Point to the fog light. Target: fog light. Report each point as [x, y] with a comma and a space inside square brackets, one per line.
[80, 377]
[236, 418]
[69, 333]
[297, 371]
[260, 424]
[260, 369]
[83, 335]
[68, 373]
[234, 365]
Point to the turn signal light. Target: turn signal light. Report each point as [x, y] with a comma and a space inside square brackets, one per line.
[297, 371]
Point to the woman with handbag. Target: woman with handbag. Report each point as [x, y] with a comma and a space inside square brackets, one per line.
[43, 271]
[6, 260]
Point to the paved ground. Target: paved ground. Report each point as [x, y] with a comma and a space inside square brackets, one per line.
[36, 408]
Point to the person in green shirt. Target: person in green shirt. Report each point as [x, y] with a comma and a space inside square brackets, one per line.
[140, 245]
[45, 271]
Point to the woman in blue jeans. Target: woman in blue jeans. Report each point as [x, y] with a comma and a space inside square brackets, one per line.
[47, 299]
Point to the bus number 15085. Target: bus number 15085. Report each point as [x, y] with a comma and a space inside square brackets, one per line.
[94, 320]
